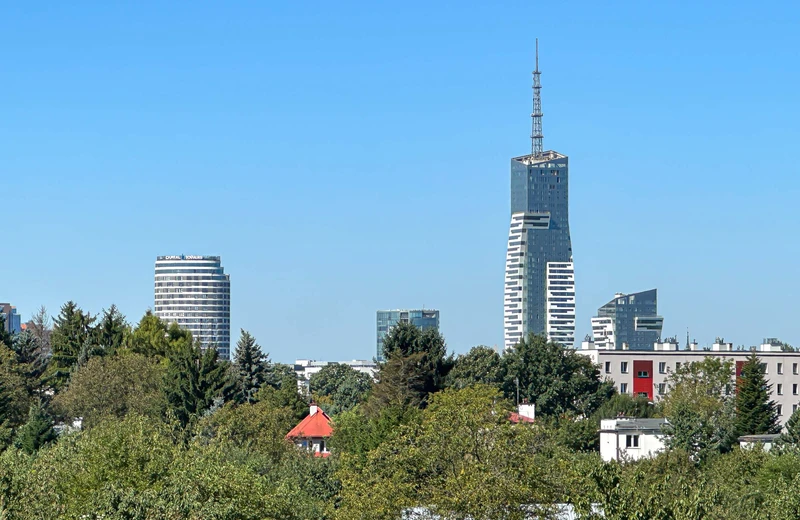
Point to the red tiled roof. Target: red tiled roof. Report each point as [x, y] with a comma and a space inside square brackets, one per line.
[517, 418]
[317, 425]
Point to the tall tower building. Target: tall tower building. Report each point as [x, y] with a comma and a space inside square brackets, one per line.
[195, 293]
[539, 281]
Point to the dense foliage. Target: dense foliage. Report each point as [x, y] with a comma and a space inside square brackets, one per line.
[103, 419]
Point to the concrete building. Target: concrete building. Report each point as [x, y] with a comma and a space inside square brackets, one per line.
[539, 242]
[12, 320]
[644, 373]
[305, 368]
[626, 439]
[628, 319]
[422, 318]
[195, 293]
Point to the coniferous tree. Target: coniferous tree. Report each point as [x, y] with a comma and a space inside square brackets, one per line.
[416, 366]
[111, 331]
[251, 365]
[5, 337]
[195, 380]
[72, 328]
[755, 413]
[792, 433]
[37, 432]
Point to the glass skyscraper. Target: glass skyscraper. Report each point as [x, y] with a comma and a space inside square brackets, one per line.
[195, 293]
[539, 280]
[422, 318]
[629, 319]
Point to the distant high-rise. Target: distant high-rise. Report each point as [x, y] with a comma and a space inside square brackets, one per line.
[11, 320]
[630, 319]
[539, 281]
[422, 318]
[195, 293]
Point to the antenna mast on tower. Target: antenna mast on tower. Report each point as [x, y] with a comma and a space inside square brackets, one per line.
[536, 115]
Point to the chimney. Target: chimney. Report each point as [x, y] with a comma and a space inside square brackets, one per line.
[312, 409]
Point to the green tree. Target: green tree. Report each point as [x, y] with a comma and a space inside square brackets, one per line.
[32, 359]
[463, 460]
[111, 331]
[625, 405]
[5, 337]
[286, 395]
[755, 412]
[12, 375]
[416, 366]
[792, 433]
[699, 408]
[345, 386]
[251, 366]
[113, 386]
[72, 329]
[195, 380]
[480, 365]
[556, 379]
[37, 432]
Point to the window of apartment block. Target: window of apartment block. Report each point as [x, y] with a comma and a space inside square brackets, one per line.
[662, 388]
[780, 368]
[631, 441]
[642, 374]
[623, 367]
[677, 365]
[794, 408]
[794, 389]
[608, 367]
[780, 410]
[623, 388]
[662, 367]
[764, 368]
[794, 368]
[780, 389]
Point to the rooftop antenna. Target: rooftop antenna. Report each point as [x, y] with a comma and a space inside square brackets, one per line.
[687, 338]
[536, 115]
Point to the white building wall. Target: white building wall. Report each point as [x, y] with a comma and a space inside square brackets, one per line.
[782, 370]
[614, 442]
[560, 291]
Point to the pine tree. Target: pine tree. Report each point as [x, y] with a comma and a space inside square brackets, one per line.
[792, 433]
[755, 412]
[37, 432]
[111, 331]
[251, 366]
[72, 328]
[195, 380]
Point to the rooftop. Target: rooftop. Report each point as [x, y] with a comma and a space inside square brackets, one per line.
[314, 425]
[549, 155]
[633, 424]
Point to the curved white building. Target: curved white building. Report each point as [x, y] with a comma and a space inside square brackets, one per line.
[195, 293]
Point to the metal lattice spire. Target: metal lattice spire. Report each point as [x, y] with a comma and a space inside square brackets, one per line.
[536, 115]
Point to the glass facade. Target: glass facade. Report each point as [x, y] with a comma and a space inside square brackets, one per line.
[195, 293]
[634, 318]
[539, 235]
[422, 318]
[11, 320]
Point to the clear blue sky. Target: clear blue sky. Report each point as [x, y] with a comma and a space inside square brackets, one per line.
[346, 157]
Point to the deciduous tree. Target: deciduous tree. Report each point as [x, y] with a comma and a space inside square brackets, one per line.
[345, 386]
[480, 365]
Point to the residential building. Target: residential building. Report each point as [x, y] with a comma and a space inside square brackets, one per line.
[422, 318]
[195, 293]
[645, 372]
[628, 321]
[12, 321]
[539, 244]
[765, 440]
[313, 432]
[627, 439]
[526, 413]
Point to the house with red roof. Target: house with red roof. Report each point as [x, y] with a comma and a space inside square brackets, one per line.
[313, 432]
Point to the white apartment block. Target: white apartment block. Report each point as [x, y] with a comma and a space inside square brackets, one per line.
[645, 372]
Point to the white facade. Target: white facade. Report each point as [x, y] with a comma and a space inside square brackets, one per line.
[305, 368]
[514, 314]
[195, 293]
[603, 333]
[626, 439]
[560, 292]
[645, 372]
